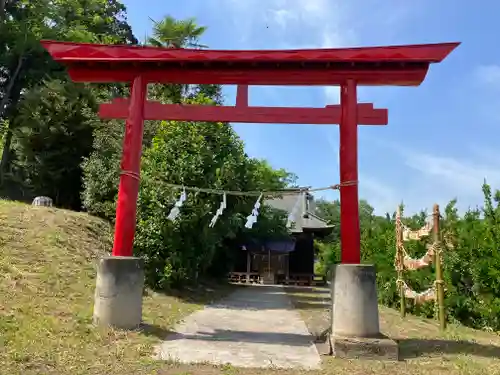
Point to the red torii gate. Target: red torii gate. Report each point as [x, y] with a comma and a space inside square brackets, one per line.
[347, 67]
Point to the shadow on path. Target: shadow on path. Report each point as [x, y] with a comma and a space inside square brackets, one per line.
[291, 339]
[308, 289]
[413, 348]
[263, 297]
[155, 331]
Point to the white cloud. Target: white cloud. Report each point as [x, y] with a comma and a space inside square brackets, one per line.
[318, 19]
[283, 16]
[440, 177]
[332, 94]
[463, 175]
[489, 75]
[323, 24]
[422, 177]
[381, 195]
[287, 12]
[447, 177]
[283, 12]
[486, 92]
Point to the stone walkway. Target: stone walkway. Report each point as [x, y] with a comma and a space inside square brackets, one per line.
[255, 326]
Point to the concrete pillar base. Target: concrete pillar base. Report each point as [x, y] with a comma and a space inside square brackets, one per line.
[355, 319]
[355, 303]
[119, 290]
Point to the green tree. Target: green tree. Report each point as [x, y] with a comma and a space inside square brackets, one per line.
[264, 176]
[24, 63]
[53, 134]
[174, 33]
[183, 33]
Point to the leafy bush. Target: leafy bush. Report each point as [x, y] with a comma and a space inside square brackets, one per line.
[207, 155]
[471, 263]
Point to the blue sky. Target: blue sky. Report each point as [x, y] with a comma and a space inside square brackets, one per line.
[440, 141]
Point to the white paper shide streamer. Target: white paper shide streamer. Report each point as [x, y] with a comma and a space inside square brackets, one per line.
[174, 212]
[292, 216]
[219, 212]
[252, 218]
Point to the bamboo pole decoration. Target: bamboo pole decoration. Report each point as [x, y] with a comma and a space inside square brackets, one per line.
[400, 261]
[439, 271]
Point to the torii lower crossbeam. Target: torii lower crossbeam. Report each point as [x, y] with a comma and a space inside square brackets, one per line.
[331, 114]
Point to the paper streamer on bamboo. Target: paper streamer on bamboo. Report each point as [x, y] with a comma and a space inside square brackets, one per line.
[409, 234]
[416, 264]
[419, 298]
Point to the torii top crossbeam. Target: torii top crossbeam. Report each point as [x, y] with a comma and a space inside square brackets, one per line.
[346, 67]
[394, 65]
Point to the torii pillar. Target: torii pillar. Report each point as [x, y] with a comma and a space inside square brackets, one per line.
[349, 213]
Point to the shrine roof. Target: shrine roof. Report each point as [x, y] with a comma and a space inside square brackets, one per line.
[305, 219]
[88, 62]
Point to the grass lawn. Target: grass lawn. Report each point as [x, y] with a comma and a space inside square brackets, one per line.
[47, 276]
[423, 348]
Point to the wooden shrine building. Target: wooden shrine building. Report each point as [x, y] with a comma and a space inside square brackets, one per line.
[289, 260]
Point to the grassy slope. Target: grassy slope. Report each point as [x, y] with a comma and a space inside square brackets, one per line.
[47, 275]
